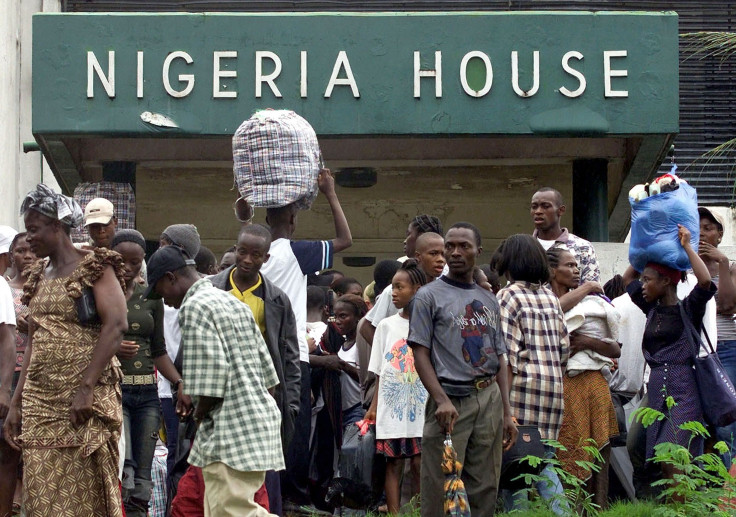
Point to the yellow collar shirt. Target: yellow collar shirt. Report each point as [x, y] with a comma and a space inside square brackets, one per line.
[252, 298]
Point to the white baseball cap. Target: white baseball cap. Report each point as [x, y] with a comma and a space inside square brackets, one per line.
[7, 234]
[98, 211]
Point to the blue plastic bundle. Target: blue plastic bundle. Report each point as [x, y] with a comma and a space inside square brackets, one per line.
[654, 223]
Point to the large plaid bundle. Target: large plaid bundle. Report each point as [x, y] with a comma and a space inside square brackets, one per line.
[276, 159]
[119, 194]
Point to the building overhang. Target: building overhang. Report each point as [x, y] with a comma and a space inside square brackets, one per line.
[460, 87]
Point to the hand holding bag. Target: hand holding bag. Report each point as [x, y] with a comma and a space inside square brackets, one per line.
[717, 394]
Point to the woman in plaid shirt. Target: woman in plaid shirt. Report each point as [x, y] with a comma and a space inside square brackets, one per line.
[534, 326]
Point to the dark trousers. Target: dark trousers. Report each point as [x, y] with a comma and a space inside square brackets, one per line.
[645, 472]
[142, 418]
[171, 421]
[294, 480]
[273, 489]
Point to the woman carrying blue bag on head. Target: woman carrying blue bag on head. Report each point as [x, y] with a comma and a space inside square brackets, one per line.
[668, 348]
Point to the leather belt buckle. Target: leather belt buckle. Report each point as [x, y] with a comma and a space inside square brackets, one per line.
[483, 383]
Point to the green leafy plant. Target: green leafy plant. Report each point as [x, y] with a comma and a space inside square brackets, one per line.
[700, 484]
[575, 499]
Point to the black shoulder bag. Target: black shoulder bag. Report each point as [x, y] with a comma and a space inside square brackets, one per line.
[86, 308]
[528, 443]
[717, 394]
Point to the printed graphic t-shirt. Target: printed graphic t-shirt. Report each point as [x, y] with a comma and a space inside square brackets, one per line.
[460, 324]
[401, 395]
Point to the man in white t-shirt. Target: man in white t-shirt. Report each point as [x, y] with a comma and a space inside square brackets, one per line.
[288, 266]
[7, 346]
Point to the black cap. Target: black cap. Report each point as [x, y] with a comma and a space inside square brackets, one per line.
[165, 260]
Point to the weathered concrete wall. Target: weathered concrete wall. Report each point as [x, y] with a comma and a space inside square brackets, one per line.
[495, 198]
[19, 172]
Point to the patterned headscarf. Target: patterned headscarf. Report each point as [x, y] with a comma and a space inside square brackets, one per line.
[56, 206]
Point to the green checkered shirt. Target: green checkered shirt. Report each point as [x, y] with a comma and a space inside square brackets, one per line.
[226, 357]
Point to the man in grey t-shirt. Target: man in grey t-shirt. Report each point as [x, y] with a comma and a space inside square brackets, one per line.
[459, 353]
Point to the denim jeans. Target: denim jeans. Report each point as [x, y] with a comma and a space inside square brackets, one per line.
[142, 418]
[727, 355]
[352, 415]
[171, 421]
[550, 489]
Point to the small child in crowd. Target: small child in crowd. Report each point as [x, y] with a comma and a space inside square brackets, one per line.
[398, 408]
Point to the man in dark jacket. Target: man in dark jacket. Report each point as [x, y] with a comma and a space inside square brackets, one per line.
[275, 318]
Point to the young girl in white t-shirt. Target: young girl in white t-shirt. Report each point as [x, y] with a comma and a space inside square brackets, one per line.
[398, 407]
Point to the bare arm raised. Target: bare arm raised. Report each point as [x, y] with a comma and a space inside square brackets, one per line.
[343, 238]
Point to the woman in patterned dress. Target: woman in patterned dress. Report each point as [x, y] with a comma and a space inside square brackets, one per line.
[21, 257]
[667, 350]
[66, 413]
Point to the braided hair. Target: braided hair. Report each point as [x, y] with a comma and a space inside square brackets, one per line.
[427, 223]
[553, 256]
[415, 273]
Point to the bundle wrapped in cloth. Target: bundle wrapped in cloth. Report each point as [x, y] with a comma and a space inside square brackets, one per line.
[276, 160]
[655, 214]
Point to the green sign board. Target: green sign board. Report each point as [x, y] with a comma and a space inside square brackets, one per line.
[518, 73]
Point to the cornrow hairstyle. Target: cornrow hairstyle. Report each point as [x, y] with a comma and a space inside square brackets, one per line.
[553, 256]
[427, 223]
[416, 275]
[359, 306]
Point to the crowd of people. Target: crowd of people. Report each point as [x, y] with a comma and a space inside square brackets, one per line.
[250, 373]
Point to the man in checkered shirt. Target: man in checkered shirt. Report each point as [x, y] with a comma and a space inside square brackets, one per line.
[229, 374]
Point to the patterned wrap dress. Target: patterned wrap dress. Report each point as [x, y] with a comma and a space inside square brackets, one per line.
[672, 372]
[69, 472]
